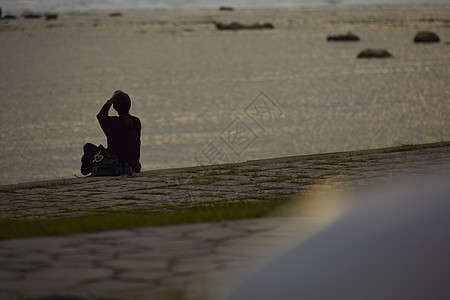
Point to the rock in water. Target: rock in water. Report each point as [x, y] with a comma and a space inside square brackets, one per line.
[374, 53]
[51, 17]
[226, 8]
[426, 37]
[9, 17]
[265, 26]
[350, 37]
[31, 16]
[239, 26]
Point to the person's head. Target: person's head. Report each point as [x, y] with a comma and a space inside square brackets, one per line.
[121, 103]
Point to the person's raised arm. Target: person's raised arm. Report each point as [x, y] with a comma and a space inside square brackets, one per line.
[105, 108]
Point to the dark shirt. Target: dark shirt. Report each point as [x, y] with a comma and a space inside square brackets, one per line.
[123, 134]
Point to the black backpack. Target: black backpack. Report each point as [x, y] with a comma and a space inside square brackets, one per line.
[97, 161]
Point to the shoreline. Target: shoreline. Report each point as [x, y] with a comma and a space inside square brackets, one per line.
[211, 9]
[274, 13]
[201, 22]
[256, 162]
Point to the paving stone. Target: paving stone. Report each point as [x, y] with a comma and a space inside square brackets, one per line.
[34, 244]
[239, 249]
[194, 286]
[131, 263]
[217, 233]
[110, 235]
[187, 266]
[25, 261]
[138, 275]
[186, 248]
[171, 232]
[255, 225]
[33, 288]
[6, 275]
[144, 242]
[80, 258]
[71, 274]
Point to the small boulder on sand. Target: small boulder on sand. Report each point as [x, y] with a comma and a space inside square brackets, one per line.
[426, 37]
[348, 37]
[374, 53]
[31, 16]
[226, 8]
[239, 26]
[49, 17]
[115, 14]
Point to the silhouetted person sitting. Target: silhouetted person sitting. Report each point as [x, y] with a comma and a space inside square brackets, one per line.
[123, 134]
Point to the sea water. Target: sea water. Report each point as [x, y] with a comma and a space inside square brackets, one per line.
[206, 97]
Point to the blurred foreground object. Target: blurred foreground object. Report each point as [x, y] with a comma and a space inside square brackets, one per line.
[394, 244]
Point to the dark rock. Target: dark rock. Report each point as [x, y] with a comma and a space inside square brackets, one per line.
[49, 17]
[226, 8]
[350, 37]
[32, 16]
[374, 53]
[116, 14]
[268, 26]
[9, 17]
[426, 37]
[239, 26]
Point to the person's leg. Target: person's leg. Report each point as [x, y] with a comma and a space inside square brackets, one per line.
[86, 159]
[88, 148]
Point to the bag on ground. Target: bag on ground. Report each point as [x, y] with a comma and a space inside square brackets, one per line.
[97, 161]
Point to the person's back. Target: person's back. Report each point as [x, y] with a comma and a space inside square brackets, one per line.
[123, 132]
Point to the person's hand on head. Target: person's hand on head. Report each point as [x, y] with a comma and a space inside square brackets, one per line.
[112, 97]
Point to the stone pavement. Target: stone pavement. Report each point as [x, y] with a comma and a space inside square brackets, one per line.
[249, 181]
[143, 263]
[200, 259]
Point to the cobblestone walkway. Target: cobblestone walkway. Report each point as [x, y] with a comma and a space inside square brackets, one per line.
[145, 263]
[254, 180]
[200, 258]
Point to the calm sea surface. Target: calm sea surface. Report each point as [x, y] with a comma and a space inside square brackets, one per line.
[198, 95]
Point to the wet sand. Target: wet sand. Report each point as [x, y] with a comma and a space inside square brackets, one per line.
[189, 81]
